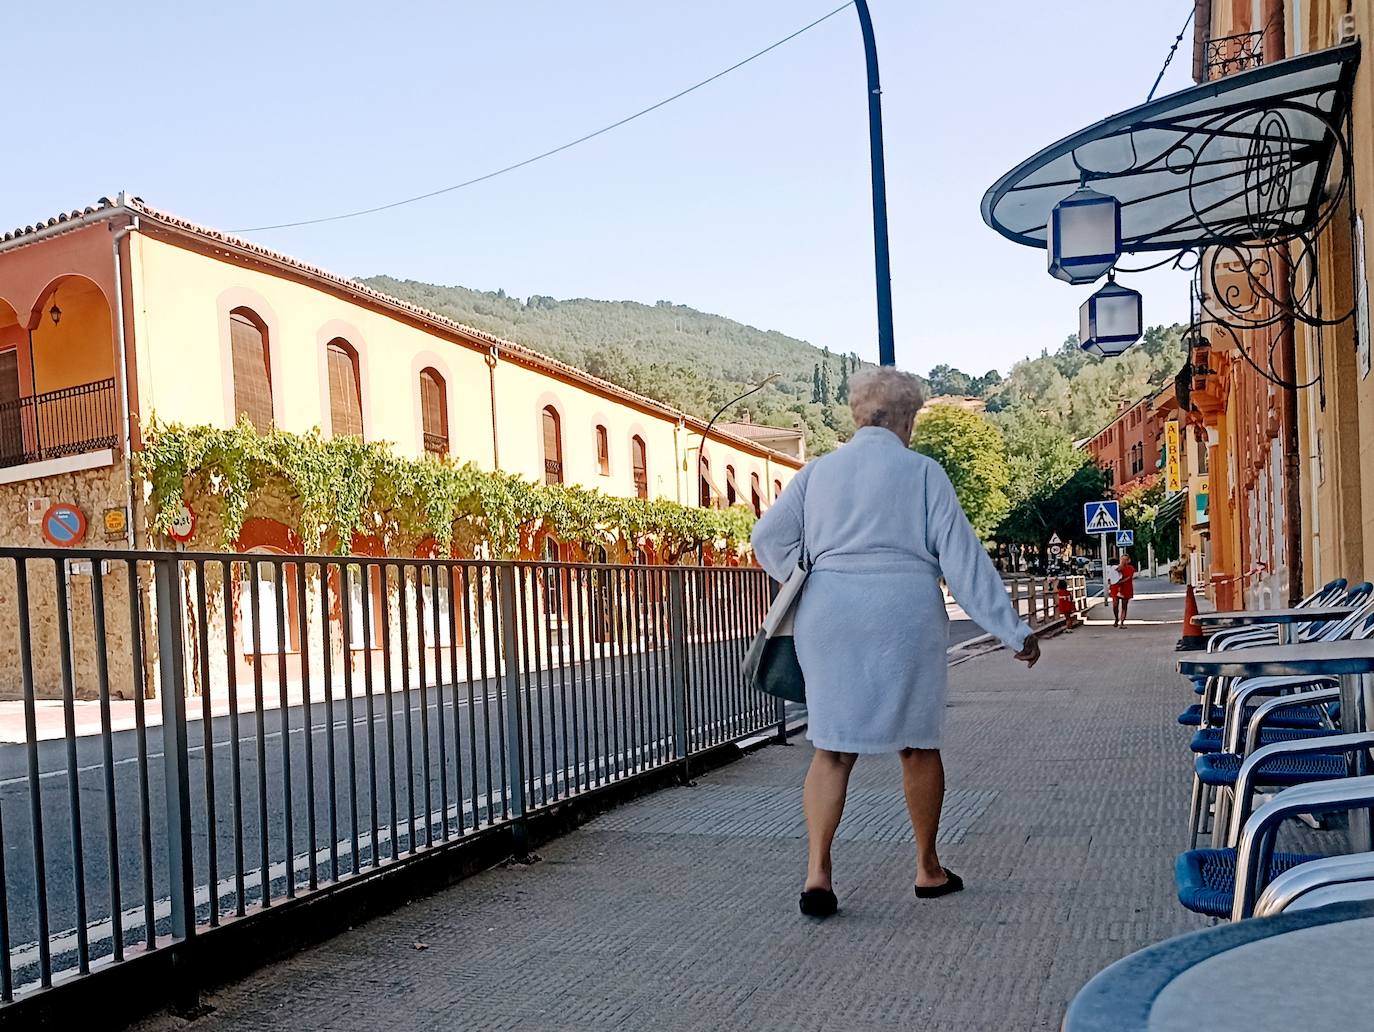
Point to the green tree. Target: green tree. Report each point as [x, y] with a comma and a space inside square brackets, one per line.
[1050, 480]
[842, 392]
[945, 379]
[973, 454]
[816, 396]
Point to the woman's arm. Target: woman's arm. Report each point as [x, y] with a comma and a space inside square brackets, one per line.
[777, 537]
[973, 580]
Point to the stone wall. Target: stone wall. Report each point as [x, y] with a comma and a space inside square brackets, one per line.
[92, 491]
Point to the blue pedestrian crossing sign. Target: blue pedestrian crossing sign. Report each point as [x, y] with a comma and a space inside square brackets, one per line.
[1125, 538]
[1101, 517]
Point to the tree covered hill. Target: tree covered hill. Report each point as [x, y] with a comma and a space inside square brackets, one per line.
[697, 361]
[689, 359]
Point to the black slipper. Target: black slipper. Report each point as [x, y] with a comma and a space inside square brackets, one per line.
[952, 883]
[819, 903]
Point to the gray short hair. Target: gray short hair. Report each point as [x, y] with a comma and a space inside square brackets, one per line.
[886, 397]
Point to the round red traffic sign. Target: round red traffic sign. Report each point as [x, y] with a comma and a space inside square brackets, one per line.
[183, 524]
[64, 525]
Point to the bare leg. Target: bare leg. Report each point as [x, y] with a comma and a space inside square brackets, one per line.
[1125, 604]
[923, 782]
[823, 801]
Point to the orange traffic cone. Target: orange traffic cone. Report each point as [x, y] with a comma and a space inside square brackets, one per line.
[1193, 638]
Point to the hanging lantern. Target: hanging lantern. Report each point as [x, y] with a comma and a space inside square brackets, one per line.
[55, 314]
[1111, 320]
[1083, 236]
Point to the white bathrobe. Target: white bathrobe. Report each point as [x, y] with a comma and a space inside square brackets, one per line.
[882, 525]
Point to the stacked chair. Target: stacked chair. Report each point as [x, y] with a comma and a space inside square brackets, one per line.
[1274, 733]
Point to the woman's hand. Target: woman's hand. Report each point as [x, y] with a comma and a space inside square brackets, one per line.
[1030, 652]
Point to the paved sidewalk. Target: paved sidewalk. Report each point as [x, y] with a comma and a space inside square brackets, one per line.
[677, 913]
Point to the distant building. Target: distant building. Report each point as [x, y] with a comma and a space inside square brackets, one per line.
[791, 442]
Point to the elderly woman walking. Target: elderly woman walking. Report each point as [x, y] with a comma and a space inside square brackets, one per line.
[879, 526]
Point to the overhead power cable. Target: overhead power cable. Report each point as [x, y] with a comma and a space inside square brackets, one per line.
[555, 150]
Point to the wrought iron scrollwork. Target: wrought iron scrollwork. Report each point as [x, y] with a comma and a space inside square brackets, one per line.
[1258, 259]
[1228, 54]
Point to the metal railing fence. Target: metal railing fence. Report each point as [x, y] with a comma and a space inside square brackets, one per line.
[59, 423]
[240, 730]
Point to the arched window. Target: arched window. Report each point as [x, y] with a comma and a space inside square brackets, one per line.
[777, 489]
[639, 459]
[553, 447]
[434, 412]
[755, 494]
[603, 451]
[345, 396]
[252, 368]
[704, 489]
[731, 493]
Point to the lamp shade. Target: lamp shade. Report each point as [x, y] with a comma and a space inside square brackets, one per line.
[1083, 237]
[1110, 321]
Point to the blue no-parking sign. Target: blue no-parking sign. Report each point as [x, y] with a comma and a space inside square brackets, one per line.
[64, 525]
[1101, 517]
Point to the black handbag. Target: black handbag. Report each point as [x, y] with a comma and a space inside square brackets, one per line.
[770, 665]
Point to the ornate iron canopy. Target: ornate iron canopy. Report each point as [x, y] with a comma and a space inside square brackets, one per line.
[1258, 157]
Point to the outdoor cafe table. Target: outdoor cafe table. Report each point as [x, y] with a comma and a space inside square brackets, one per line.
[1295, 970]
[1283, 619]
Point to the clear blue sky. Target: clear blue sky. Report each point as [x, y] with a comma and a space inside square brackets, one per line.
[748, 198]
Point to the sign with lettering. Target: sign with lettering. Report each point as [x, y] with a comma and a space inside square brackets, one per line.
[64, 525]
[183, 524]
[1173, 460]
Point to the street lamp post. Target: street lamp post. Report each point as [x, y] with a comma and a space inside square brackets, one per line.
[701, 448]
[882, 265]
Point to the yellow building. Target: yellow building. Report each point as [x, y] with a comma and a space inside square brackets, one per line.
[119, 314]
[210, 327]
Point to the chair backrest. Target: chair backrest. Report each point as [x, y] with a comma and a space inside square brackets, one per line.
[1327, 594]
[1362, 595]
[1256, 844]
[1359, 594]
[1332, 879]
[1355, 625]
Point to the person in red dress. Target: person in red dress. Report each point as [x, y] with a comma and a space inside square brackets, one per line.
[1124, 588]
[1064, 604]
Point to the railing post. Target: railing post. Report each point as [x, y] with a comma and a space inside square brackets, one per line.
[677, 661]
[171, 656]
[509, 615]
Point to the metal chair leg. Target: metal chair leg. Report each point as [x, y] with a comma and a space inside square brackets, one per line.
[1195, 812]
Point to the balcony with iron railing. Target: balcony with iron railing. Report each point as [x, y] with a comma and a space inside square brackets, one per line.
[1226, 55]
[59, 424]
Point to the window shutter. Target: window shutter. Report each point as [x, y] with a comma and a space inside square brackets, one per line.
[252, 373]
[434, 413]
[345, 398]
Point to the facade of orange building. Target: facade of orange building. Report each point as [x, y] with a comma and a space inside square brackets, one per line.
[1292, 471]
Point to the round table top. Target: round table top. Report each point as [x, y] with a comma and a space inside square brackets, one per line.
[1224, 977]
[1318, 657]
[1298, 614]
